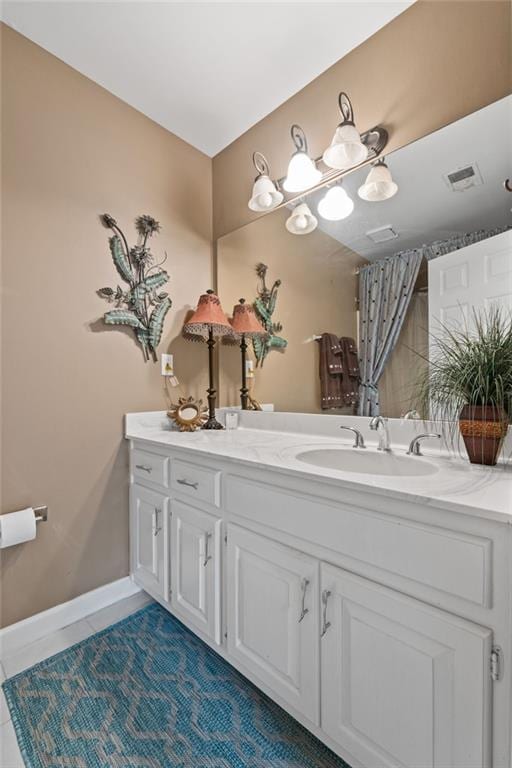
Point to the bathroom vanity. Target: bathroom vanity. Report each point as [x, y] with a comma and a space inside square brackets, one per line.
[374, 608]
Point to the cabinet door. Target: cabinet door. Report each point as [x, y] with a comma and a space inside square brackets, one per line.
[273, 617]
[404, 685]
[148, 511]
[195, 567]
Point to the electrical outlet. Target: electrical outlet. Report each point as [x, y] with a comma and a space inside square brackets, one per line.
[167, 365]
[249, 369]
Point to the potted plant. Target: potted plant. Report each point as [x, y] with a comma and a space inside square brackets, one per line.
[469, 382]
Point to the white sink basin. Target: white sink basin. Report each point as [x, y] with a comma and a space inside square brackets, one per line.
[367, 462]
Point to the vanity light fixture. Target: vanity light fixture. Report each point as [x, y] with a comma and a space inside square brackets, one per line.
[379, 184]
[302, 171]
[301, 221]
[335, 204]
[265, 195]
[346, 149]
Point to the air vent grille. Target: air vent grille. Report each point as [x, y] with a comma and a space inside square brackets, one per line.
[463, 178]
[382, 234]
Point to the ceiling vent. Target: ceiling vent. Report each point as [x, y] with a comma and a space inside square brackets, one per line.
[382, 234]
[463, 178]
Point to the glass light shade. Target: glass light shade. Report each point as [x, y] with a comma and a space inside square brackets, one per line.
[301, 221]
[335, 204]
[379, 185]
[302, 173]
[346, 150]
[264, 196]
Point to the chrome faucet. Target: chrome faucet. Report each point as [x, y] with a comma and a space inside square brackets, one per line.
[411, 414]
[359, 443]
[380, 425]
[415, 446]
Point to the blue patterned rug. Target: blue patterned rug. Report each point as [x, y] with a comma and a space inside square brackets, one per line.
[146, 693]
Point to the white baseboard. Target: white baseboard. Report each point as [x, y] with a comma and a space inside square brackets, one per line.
[60, 616]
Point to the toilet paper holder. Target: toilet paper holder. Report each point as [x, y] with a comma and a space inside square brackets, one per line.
[41, 514]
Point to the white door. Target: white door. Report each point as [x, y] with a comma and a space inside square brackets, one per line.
[478, 276]
[273, 617]
[195, 568]
[404, 685]
[148, 511]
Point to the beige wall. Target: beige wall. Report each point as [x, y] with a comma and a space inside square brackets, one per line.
[70, 152]
[317, 295]
[435, 63]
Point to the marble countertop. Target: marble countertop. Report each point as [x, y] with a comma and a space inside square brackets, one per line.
[456, 485]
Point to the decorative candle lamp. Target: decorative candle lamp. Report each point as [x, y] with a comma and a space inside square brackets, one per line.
[209, 322]
[245, 324]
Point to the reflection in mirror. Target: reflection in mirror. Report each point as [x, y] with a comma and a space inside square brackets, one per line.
[361, 291]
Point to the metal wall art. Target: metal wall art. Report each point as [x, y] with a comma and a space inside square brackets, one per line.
[142, 305]
[265, 305]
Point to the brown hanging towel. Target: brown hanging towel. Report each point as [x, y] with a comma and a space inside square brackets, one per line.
[331, 372]
[351, 375]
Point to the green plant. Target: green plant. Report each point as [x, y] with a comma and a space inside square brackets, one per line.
[470, 366]
[142, 306]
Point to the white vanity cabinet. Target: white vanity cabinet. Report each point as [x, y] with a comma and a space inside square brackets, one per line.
[402, 682]
[383, 625]
[148, 513]
[272, 617]
[194, 547]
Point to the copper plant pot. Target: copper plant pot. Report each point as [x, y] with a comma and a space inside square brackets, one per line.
[483, 428]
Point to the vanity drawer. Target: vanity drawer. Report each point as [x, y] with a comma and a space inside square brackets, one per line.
[150, 466]
[196, 482]
[428, 556]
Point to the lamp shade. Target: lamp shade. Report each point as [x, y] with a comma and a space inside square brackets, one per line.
[245, 321]
[302, 173]
[301, 221]
[335, 204]
[264, 196]
[208, 315]
[379, 184]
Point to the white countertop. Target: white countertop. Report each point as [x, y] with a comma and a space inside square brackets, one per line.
[457, 485]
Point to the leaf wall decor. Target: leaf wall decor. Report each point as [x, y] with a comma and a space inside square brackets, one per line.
[141, 305]
[265, 305]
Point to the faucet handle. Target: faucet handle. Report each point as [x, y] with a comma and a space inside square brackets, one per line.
[359, 441]
[415, 444]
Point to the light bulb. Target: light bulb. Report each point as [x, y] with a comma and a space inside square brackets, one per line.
[301, 222]
[265, 195]
[265, 200]
[335, 205]
[302, 173]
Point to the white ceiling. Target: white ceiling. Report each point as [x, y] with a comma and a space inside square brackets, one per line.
[205, 71]
[425, 209]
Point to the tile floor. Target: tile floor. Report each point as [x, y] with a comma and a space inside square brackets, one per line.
[28, 655]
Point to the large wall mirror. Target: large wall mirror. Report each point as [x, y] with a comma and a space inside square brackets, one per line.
[438, 247]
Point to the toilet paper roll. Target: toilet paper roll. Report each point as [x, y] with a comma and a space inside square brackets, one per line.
[17, 527]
